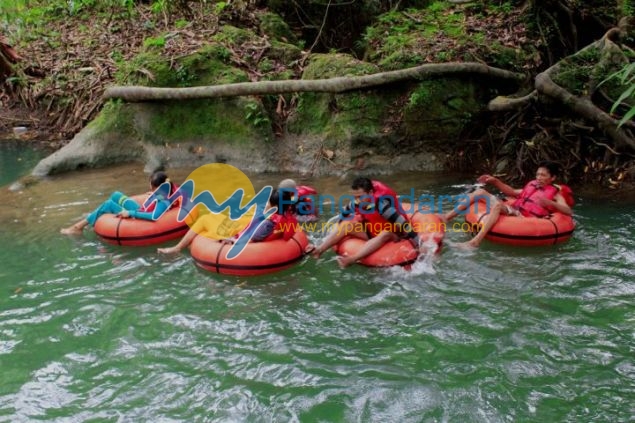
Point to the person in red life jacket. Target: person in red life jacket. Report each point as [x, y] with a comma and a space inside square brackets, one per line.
[124, 206]
[280, 225]
[305, 196]
[539, 198]
[374, 216]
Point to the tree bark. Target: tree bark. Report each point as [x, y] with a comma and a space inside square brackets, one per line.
[332, 85]
[584, 106]
[586, 109]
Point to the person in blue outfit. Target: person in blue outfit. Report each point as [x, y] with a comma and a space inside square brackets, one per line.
[124, 206]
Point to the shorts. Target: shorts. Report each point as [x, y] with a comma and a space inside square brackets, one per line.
[511, 211]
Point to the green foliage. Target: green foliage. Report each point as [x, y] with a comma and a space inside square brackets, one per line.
[575, 71]
[219, 7]
[255, 115]
[181, 23]
[419, 96]
[626, 77]
[159, 6]
[154, 42]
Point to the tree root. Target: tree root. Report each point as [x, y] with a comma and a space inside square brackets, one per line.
[503, 104]
[332, 85]
[583, 106]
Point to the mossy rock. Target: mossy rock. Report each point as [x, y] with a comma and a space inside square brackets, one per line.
[208, 66]
[230, 35]
[274, 27]
[339, 117]
[283, 52]
[439, 109]
[212, 120]
[322, 66]
[148, 69]
[110, 138]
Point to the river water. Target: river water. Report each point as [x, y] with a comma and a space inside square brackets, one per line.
[95, 332]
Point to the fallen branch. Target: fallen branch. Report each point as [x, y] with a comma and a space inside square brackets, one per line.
[332, 85]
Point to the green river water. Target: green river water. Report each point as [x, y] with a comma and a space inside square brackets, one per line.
[92, 332]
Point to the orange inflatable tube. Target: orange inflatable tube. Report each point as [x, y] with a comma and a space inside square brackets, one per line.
[399, 253]
[257, 258]
[138, 232]
[523, 231]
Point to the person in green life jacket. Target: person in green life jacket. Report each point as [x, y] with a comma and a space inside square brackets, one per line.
[539, 198]
[124, 206]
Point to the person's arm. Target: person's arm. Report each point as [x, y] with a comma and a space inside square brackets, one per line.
[500, 185]
[160, 208]
[390, 213]
[263, 231]
[558, 204]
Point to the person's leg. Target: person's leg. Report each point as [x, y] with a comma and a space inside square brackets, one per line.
[497, 209]
[343, 229]
[116, 203]
[369, 247]
[480, 193]
[75, 228]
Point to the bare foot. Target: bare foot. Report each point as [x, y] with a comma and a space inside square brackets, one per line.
[168, 250]
[469, 245]
[71, 230]
[345, 261]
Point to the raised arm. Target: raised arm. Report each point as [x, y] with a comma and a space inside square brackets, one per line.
[500, 185]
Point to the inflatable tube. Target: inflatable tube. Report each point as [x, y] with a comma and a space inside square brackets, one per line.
[523, 231]
[138, 232]
[257, 258]
[399, 253]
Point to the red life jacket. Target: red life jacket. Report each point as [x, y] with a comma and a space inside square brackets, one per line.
[567, 194]
[305, 194]
[374, 222]
[177, 203]
[525, 201]
[285, 226]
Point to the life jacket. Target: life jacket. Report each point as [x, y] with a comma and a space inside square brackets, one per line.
[525, 201]
[285, 225]
[177, 203]
[374, 222]
[306, 204]
[567, 194]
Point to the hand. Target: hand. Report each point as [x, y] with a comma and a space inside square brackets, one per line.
[486, 179]
[124, 214]
[543, 202]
